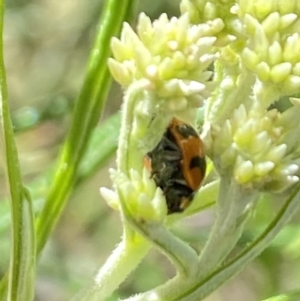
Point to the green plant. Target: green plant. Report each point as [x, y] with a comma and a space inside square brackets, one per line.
[164, 69]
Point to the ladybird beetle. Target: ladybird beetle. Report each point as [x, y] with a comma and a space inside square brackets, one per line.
[177, 164]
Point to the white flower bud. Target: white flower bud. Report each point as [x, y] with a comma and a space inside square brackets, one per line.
[280, 72]
[139, 195]
[171, 54]
[287, 20]
[255, 145]
[271, 23]
[275, 53]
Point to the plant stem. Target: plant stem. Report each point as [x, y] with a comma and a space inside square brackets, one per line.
[88, 108]
[124, 259]
[232, 211]
[129, 155]
[196, 290]
[22, 262]
[178, 252]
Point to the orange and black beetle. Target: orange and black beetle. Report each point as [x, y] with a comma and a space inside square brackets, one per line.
[177, 164]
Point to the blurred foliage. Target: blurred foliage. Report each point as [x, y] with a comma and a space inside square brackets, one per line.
[47, 43]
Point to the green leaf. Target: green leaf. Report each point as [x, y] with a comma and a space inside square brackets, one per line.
[88, 108]
[101, 147]
[22, 263]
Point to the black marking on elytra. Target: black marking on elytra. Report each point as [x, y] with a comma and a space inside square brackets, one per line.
[198, 162]
[186, 131]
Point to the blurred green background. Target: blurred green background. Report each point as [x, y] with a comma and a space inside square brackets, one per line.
[47, 44]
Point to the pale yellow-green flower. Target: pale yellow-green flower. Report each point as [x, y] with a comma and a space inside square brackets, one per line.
[170, 55]
[258, 146]
[207, 12]
[137, 194]
[267, 35]
[272, 50]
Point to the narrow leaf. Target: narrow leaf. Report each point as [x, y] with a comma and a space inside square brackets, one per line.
[22, 263]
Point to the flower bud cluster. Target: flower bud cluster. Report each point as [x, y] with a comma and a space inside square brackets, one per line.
[212, 11]
[268, 32]
[138, 194]
[171, 56]
[272, 50]
[257, 145]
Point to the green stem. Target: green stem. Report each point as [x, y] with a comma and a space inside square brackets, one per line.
[129, 154]
[179, 253]
[93, 159]
[88, 108]
[196, 290]
[87, 111]
[234, 266]
[232, 211]
[217, 110]
[124, 259]
[22, 263]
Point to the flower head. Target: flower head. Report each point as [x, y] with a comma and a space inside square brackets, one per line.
[171, 56]
[258, 146]
[272, 52]
[137, 194]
